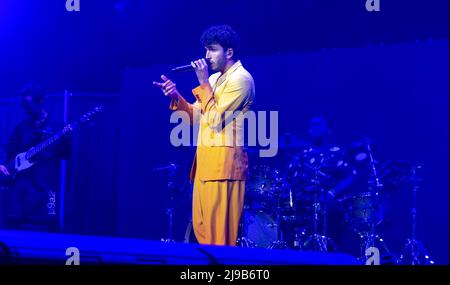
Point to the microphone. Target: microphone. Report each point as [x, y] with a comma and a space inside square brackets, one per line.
[183, 68]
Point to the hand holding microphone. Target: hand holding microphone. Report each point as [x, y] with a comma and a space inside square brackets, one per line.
[169, 88]
[201, 70]
[200, 67]
[184, 68]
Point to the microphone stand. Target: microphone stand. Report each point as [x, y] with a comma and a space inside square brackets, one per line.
[414, 253]
[369, 238]
[171, 168]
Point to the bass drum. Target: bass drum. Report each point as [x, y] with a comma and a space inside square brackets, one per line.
[261, 229]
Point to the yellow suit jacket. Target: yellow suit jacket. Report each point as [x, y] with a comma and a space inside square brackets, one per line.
[220, 152]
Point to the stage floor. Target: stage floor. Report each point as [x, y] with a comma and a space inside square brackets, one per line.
[25, 247]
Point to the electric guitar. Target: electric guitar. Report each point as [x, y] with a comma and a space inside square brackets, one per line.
[24, 160]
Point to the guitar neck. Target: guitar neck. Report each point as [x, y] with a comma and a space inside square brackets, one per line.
[48, 142]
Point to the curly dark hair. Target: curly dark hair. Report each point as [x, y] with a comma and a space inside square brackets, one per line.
[223, 35]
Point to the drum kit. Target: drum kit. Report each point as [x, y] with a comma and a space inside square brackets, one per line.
[287, 207]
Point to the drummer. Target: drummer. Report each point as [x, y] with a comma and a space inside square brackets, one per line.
[321, 163]
[320, 169]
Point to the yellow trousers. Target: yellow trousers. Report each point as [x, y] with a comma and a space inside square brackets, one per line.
[216, 210]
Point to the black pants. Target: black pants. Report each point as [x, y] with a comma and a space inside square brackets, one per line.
[30, 206]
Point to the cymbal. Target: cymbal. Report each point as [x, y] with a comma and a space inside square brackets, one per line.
[359, 150]
[401, 167]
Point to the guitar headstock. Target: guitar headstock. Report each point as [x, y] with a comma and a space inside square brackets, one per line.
[89, 116]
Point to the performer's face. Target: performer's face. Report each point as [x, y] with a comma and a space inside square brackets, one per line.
[216, 57]
[32, 108]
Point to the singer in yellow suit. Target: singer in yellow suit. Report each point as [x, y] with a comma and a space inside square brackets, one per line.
[220, 165]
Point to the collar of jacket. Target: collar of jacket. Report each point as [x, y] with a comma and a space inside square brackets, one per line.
[224, 76]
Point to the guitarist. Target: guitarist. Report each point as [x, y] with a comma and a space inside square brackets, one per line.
[31, 202]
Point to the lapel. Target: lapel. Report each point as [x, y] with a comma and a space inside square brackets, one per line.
[222, 78]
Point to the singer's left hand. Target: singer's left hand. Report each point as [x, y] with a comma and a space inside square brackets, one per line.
[201, 69]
